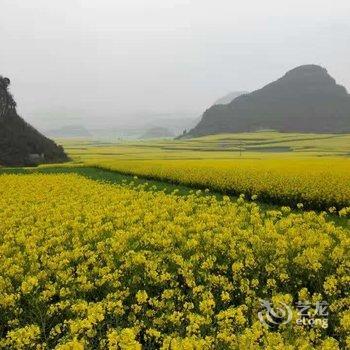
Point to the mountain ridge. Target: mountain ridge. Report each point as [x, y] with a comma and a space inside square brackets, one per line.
[305, 99]
[20, 143]
[228, 98]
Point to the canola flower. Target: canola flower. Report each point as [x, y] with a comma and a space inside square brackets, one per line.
[89, 265]
[317, 183]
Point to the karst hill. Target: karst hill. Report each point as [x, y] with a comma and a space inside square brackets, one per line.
[20, 143]
[305, 99]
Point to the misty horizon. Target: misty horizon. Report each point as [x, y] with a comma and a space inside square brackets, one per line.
[126, 63]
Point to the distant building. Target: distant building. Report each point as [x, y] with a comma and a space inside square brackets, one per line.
[35, 158]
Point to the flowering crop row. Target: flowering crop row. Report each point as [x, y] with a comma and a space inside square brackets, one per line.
[87, 265]
[316, 183]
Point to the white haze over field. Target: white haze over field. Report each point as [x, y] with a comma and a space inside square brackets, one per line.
[110, 62]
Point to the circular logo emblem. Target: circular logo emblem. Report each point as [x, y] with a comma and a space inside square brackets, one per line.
[274, 315]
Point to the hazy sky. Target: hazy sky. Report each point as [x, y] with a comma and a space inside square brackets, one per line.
[112, 58]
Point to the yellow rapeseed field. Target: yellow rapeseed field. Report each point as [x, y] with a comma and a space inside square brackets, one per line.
[88, 265]
[317, 183]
